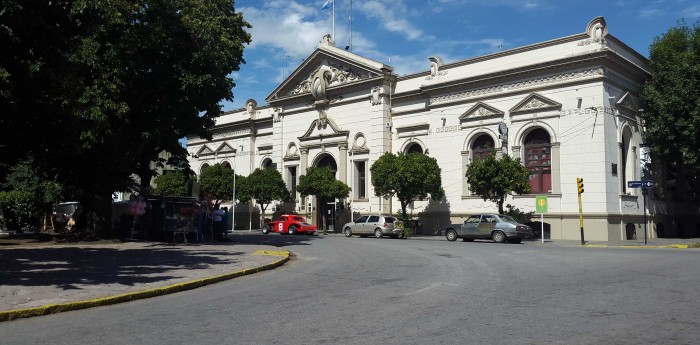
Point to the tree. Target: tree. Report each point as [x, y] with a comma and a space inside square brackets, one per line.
[265, 186]
[671, 99]
[321, 182]
[27, 196]
[173, 184]
[106, 86]
[493, 179]
[216, 181]
[408, 177]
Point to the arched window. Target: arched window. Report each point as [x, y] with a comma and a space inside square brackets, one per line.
[414, 148]
[626, 159]
[267, 163]
[226, 165]
[328, 161]
[204, 167]
[538, 159]
[482, 147]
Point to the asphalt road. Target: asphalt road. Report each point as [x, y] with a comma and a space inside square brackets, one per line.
[337, 290]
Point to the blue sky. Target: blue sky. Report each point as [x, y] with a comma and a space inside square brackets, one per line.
[404, 33]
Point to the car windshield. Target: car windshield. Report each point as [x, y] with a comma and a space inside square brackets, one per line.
[507, 219]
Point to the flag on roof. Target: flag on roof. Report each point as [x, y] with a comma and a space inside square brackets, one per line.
[327, 4]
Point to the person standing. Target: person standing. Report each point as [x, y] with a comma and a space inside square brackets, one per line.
[218, 220]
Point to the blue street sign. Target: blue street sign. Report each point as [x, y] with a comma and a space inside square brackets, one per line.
[645, 184]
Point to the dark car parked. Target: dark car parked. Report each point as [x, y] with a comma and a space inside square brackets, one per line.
[498, 227]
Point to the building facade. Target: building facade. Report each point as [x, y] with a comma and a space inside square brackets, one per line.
[568, 108]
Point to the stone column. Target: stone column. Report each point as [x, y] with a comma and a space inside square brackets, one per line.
[343, 163]
[465, 162]
[556, 170]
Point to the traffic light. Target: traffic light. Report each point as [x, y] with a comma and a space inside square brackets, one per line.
[579, 185]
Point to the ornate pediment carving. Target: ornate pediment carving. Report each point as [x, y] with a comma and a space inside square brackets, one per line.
[225, 148]
[480, 110]
[534, 102]
[628, 101]
[323, 77]
[204, 151]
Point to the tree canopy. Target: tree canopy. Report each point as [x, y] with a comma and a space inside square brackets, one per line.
[265, 186]
[493, 179]
[101, 88]
[321, 183]
[176, 183]
[216, 182]
[408, 177]
[671, 98]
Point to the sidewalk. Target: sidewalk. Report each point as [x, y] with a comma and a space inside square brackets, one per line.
[45, 278]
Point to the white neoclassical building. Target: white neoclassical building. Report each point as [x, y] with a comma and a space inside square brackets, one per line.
[567, 107]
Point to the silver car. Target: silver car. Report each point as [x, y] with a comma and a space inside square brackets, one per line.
[498, 227]
[376, 225]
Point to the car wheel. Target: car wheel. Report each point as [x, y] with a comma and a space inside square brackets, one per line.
[451, 235]
[348, 232]
[498, 237]
[515, 240]
[265, 230]
[378, 233]
[292, 230]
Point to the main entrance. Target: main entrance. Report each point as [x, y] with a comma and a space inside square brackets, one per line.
[326, 210]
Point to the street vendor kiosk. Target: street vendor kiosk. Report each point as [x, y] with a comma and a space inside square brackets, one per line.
[181, 218]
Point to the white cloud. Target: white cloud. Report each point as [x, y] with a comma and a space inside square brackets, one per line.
[392, 15]
[292, 28]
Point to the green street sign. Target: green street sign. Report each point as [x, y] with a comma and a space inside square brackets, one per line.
[541, 204]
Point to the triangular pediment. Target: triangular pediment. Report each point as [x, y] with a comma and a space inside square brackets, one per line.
[204, 151]
[338, 67]
[534, 103]
[480, 111]
[323, 127]
[628, 101]
[225, 148]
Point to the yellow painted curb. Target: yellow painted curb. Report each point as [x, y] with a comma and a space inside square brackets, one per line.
[272, 252]
[677, 246]
[10, 315]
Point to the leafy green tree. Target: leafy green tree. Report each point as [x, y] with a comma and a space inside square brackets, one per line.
[671, 98]
[265, 186]
[106, 86]
[493, 179]
[216, 181]
[27, 196]
[173, 184]
[408, 177]
[321, 182]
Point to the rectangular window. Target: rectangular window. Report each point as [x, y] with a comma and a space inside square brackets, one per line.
[538, 162]
[361, 180]
[293, 180]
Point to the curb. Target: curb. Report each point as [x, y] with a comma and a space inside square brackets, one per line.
[10, 315]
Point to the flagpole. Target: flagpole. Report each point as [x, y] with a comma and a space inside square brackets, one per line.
[351, 26]
[333, 20]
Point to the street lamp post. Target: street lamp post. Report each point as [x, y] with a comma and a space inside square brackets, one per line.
[233, 200]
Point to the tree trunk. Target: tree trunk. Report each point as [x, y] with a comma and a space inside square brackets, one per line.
[500, 205]
[94, 216]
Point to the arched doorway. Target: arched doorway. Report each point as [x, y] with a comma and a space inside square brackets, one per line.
[326, 213]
